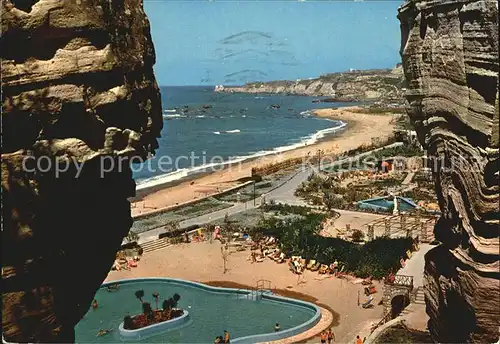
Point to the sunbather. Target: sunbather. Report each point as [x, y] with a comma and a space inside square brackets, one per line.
[368, 302]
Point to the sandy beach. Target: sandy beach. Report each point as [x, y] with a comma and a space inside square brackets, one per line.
[361, 129]
[202, 262]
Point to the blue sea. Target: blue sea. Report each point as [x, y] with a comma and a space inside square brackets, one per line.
[204, 129]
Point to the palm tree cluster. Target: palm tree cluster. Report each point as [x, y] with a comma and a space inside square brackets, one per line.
[149, 315]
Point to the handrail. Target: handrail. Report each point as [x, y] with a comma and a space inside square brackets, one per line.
[382, 321]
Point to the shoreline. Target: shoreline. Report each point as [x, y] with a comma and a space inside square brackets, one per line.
[360, 129]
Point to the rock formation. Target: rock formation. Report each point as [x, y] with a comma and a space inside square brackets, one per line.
[79, 99]
[365, 85]
[450, 60]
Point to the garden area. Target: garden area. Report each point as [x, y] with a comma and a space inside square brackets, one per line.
[344, 191]
[299, 236]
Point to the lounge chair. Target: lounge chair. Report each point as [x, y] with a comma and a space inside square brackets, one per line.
[281, 258]
[311, 264]
[368, 302]
[323, 269]
[302, 263]
[316, 266]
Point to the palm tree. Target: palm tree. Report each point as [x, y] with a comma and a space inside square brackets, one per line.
[167, 308]
[148, 311]
[175, 299]
[156, 296]
[139, 294]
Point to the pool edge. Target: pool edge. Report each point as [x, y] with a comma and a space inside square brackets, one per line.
[264, 337]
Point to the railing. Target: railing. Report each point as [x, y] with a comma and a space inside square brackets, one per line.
[262, 284]
[403, 280]
[382, 321]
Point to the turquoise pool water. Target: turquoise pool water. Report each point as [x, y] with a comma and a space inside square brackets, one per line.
[386, 204]
[211, 312]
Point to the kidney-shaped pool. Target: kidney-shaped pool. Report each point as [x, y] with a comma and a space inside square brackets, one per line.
[247, 316]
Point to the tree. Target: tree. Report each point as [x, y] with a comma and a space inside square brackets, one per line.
[132, 236]
[139, 294]
[148, 311]
[156, 296]
[128, 323]
[357, 235]
[175, 299]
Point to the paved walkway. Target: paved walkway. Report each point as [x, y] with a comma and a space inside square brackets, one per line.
[415, 266]
[283, 194]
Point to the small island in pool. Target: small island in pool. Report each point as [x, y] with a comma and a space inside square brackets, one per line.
[151, 317]
[207, 311]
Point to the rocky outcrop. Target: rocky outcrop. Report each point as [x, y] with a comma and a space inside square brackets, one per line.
[450, 59]
[366, 85]
[79, 100]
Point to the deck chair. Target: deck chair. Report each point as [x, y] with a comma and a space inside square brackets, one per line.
[368, 302]
[281, 258]
[311, 264]
[323, 269]
[316, 266]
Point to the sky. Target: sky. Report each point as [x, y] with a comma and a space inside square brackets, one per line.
[212, 42]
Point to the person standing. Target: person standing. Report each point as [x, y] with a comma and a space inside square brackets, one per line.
[227, 338]
[358, 340]
[330, 336]
[323, 337]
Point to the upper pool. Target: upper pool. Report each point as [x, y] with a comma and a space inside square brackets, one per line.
[212, 310]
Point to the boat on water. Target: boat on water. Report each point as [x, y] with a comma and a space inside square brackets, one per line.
[219, 88]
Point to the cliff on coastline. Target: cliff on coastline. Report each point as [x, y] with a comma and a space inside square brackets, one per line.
[382, 85]
[78, 95]
[450, 59]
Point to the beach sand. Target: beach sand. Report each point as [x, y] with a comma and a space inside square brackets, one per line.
[361, 129]
[202, 262]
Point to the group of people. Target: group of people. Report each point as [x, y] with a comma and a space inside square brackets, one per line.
[223, 339]
[327, 336]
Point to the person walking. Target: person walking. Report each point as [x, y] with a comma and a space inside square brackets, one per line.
[323, 337]
[330, 336]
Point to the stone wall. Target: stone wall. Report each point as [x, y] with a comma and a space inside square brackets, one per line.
[79, 96]
[450, 60]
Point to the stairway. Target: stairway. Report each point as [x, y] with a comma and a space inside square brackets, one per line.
[420, 298]
[154, 245]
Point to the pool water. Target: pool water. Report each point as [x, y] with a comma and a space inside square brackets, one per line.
[387, 204]
[211, 312]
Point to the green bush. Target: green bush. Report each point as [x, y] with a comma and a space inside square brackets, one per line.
[358, 235]
[299, 236]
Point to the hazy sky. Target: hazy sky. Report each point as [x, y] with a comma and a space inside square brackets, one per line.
[233, 42]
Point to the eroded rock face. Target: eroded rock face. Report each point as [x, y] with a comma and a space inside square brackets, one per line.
[450, 59]
[79, 99]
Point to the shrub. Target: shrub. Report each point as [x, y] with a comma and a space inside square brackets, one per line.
[299, 236]
[358, 235]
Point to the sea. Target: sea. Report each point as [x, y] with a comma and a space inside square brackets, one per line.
[204, 130]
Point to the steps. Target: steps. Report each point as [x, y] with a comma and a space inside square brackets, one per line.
[420, 297]
[154, 245]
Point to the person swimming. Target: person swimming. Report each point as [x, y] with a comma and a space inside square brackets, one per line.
[277, 327]
[103, 332]
[95, 304]
[112, 287]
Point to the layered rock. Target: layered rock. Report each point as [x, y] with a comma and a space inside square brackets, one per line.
[365, 85]
[79, 100]
[450, 59]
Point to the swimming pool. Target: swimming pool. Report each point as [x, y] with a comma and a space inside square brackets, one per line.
[211, 311]
[386, 204]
